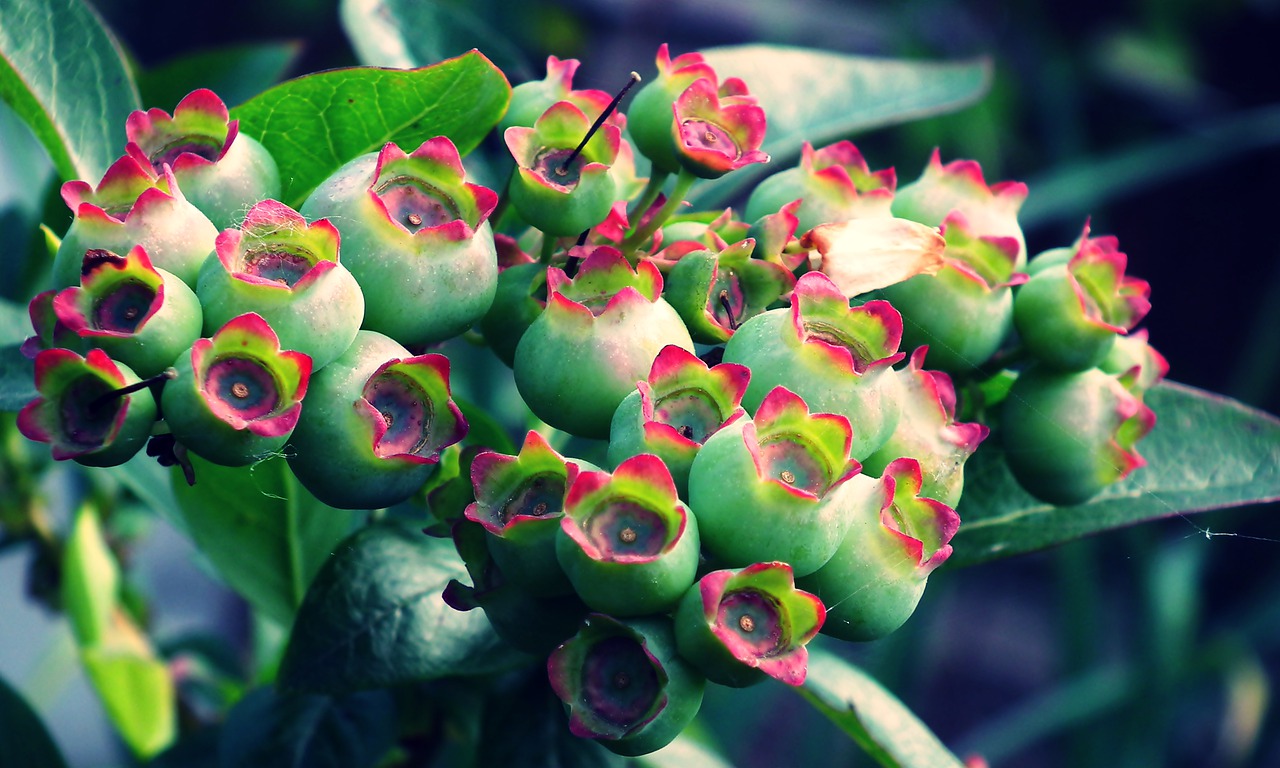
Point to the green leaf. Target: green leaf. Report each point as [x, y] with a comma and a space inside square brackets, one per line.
[267, 729]
[314, 124]
[822, 97]
[484, 429]
[138, 693]
[413, 33]
[90, 579]
[880, 723]
[1206, 452]
[375, 617]
[64, 74]
[236, 73]
[17, 378]
[524, 726]
[24, 741]
[262, 531]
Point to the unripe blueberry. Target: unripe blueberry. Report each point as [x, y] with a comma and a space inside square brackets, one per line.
[1069, 314]
[133, 206]
[716, 291]
[897, 537]
[237, 395]
[964, 311]
[629, 546]
[222, 171]
[1069, 435]
[624, 684]
[286, 270]
[928, 432]
[992, 211]
[140, 315]
[673, 412]
[737, 627]
[834, 184]
[375, 423]
[597, 337]
[771, 488]
[415, 235]
[519, 501]
[838, 359]
[81, 411]
[558, 188]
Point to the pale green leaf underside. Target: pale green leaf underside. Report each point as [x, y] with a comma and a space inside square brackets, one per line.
[822, 97]
[881, 724]
[1206, 452]
[63, 74]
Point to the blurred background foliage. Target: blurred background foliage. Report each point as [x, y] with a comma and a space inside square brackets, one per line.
[1158, 120]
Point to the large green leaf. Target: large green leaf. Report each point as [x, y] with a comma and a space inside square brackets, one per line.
[375, 617]
[880, 723]
[268, 729]
[1206, 452]
[314, 124]
[24, 741]
[17, 379]
[821, 97]
[263, 532]
[64, 74]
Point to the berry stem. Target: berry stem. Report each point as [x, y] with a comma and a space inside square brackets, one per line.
[632, 80]
[159, 378]
[652, 188]
[684, 181]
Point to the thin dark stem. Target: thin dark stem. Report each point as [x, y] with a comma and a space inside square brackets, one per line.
[635, 78]
[728, 310]
[163, 376]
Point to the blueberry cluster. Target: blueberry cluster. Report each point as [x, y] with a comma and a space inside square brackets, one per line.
[779, 461]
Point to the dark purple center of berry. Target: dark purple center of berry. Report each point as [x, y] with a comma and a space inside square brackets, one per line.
[700, 134]
[243, 386]
[626, 528]
[790, 460]
[123, 309]
[282, 266]
[550, 165]
[619, 682]
[415, 204]
[728, 304]
[754, 620]
[206, 147]
[406, 410]
[692, 412]
[540, 496]
[86, 420]
[838, 337]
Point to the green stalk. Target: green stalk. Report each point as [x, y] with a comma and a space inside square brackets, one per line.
[684, 181]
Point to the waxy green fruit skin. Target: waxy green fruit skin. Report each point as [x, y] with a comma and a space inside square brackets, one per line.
[331, 450]
[700, 646]
[321, 321]
[196, 426]
[1059, 433]
[574, 376]
[682, 686]
[1047, 314]
[632, 589]
[416, 291]
[744, 519]
[170, 330]
[766, 344]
